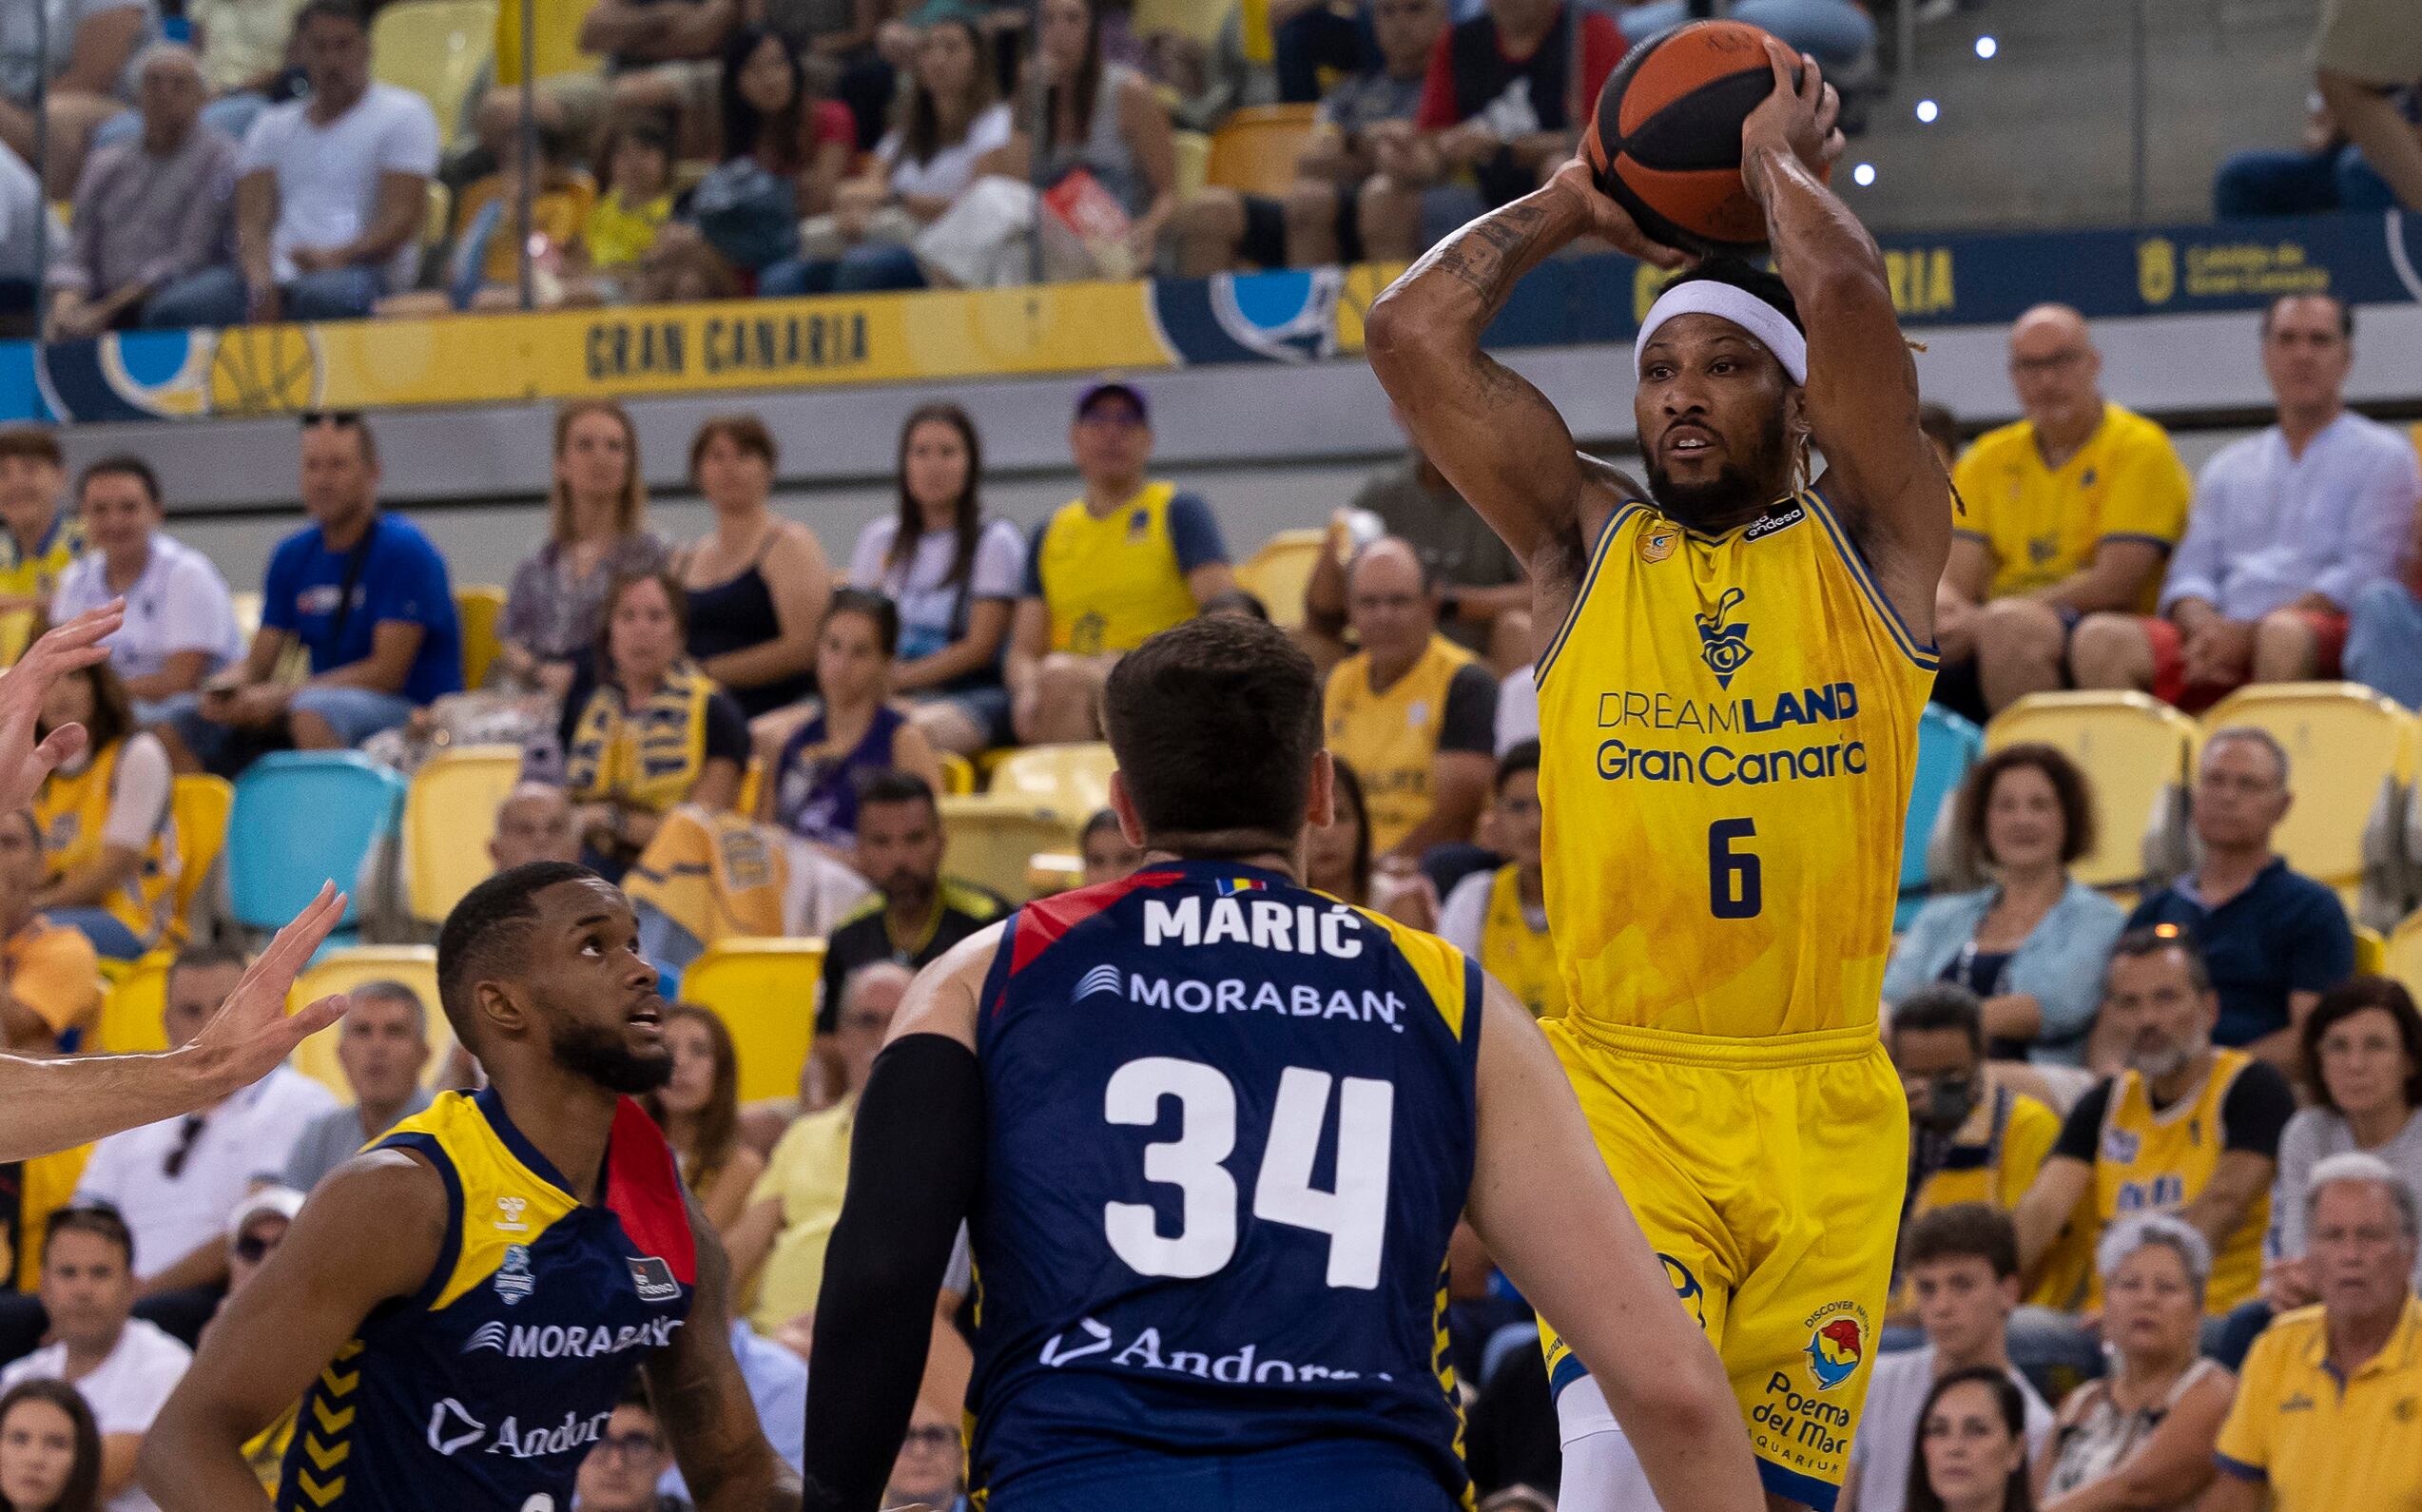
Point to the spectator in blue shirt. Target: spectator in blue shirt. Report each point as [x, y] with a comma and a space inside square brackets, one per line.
[2288, 529]
[361, 593]
[2275, 941]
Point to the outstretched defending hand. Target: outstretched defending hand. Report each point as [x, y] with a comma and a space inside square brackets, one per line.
[1609, 221]
[1799, 119]
[70, 648]
[252, 1031]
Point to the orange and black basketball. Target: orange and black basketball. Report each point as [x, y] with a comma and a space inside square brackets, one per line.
[1666, 137]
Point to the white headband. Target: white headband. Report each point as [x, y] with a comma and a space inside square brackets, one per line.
[1772, 327]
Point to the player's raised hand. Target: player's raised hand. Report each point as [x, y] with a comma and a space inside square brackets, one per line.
[1609, 221]
[252, 1031]
[1800, 117]
[67, 648]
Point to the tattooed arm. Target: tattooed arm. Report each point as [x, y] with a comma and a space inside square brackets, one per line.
[703, 1402]
[1862, 383]
[1496, 437]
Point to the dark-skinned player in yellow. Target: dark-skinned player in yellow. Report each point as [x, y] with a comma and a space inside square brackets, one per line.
[1728, 700]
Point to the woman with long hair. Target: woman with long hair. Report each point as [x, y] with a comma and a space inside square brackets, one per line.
[596, 531]
[1972, 1446]
[950, 122]
[644, 729]
[1339, 860]
[698, 1111]
[956, 571]
[1101, 118]
[759, 585]
[109, 843]
[50, 1449]
[855, 729]
[771, 113]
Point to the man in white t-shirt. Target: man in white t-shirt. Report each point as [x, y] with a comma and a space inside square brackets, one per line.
[122, 1366]
[331, 191]
[180, 620]
[1963, 1273]
[176, 1180]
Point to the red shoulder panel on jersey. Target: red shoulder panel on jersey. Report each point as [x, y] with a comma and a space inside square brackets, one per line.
[1040, 924]
[643, 1189]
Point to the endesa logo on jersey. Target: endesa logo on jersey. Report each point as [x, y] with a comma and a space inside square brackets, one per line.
[1263, 923]
[575, 1341]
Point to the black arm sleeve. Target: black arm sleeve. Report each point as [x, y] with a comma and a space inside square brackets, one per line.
[1468, 723]
[2082, 1130]
[914, 1160]
[2256, 1110]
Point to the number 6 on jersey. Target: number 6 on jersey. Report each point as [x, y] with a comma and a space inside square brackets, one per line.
[1354, 1216]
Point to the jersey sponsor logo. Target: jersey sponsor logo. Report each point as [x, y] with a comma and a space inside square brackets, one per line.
[1835, 1351]
[653, 1278]
[508, 1212]
[2120, 1147]
[1772, 523]
[557, 1340]
[1264, 923]
[1828, 705]
[2297, 1401]
[1237, 995]
[1102, 979]
[573, 1432]
[1723, 642]
[1139, 526]
[513, 1280]
[1145, 1350]
[1722, 767]
[1658, 540]
[451, 1429]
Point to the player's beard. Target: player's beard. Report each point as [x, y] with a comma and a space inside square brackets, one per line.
[1739, 488]
[603, 1056]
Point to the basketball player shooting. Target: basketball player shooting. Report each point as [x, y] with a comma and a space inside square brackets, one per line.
[1727, 704]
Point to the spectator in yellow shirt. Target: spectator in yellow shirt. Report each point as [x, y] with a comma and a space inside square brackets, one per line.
[2071, 511]
[635, 200]
[2328, 1407]
[50, 978]
[41, 537]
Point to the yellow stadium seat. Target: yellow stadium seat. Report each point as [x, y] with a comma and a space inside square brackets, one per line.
[198, 807]
[432, 225]
[1279, 573]
[959, 773]
[1071, 780]
[1198, 20]
[448, 815]
[336, 971]
[2402, 957]
[1255, 152]
[765, 992]
[439, 49]
[130, 1013]
[1192, 151]
[2348, 750]
[478, 609]
[992, 840]
[753, 785]
[556, 28]
[2371, 951]
[2135, 751]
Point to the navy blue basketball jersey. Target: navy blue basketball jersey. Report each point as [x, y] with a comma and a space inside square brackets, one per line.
[488, 1387]
[1231, 1126]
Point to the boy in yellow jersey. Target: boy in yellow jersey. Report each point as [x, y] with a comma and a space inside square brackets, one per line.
[1500, 915]
[1125, 560]
[1728, 718]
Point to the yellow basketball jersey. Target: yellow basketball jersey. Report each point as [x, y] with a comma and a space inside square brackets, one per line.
[2158, 1162]
[1112, 581]
[1728, 726]
[1390, 739]
[71, 809]
[1514, 953]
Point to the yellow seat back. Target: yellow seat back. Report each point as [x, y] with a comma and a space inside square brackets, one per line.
[336, 971]
[992, 840]
[439, 49]
[765, 992]
[958, 772]
[1071, 780]
[1193, 152]
[2345, 745]
[1255, 152]
[197, 806]
[1279, 572]
[449, 816]
[2402, 956]
[131, 1010]
[478, 609]
[2371, 951]
[2134, 751]
[555, 27]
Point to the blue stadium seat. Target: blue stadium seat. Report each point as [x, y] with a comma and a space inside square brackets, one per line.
[301, 819]
[1947, 745]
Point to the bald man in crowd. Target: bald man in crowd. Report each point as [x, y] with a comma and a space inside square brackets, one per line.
[534, 823]
[1412, 712]
[2071, 511]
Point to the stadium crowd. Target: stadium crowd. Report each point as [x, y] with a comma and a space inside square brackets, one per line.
[2160, 1241]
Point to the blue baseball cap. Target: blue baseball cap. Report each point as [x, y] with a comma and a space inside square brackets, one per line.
[1113, 389]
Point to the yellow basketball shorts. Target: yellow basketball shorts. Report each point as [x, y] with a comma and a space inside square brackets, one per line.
[1768, 1176]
